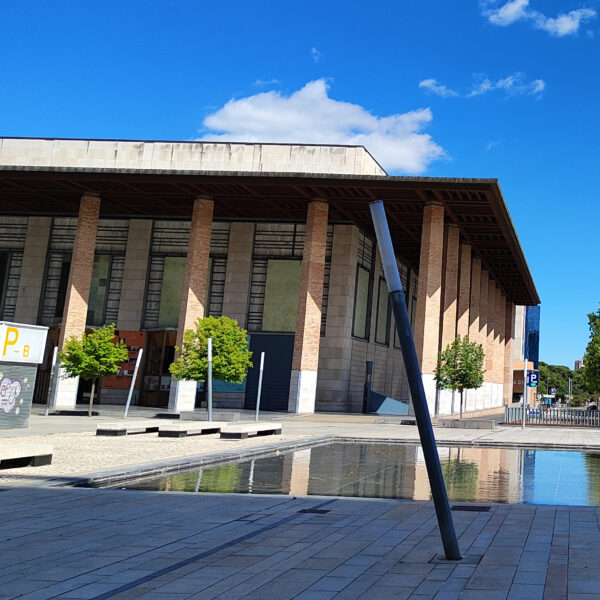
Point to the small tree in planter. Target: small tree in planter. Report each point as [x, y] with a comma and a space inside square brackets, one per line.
[231, 357]
[94, 356]
[460, 367]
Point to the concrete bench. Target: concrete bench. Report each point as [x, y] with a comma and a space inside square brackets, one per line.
[23, 455]
[467, 423]
[181, 429]
[240, 431]
[126, 427]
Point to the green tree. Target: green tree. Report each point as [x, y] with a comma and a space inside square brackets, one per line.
[231, 357]
[591, 359]
[93, 356]
[460, 367]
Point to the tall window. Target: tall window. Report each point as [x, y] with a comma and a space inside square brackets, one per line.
[4, 266]
[360, 326]
[281, 295]
[382, 325]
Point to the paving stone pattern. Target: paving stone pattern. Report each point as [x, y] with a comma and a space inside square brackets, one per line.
[86, 543]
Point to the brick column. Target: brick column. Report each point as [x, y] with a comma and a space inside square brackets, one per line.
[78, 291]
[182, 395]
[335, 386]
[450, 306]
[303, 379]
[499, 337]
[491, 330]
[464, 290]
[131, 304]
[475, 300]
[429, 297]
[237, 275]
[509, 323]
[32, 271]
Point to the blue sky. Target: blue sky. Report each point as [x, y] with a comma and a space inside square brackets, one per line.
[505, 89]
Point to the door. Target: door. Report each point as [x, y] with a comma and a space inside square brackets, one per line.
[278, 349]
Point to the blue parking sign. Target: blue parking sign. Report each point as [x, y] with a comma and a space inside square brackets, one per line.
[532, 379]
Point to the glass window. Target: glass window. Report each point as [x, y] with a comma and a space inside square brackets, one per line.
[172, 288]
[63, 282]
[382, 326]
[4, 267]
[281, 295]
[98, 289]
[360, 326]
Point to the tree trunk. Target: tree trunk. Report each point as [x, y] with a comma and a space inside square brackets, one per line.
[91, 398]
[461, 403]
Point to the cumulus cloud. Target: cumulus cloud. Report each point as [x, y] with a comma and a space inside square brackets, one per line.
[433, 86]
[265, 82]
[518, 10]
[310, 116]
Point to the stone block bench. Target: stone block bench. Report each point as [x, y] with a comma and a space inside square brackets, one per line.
[181, 429]
[126, 427]
[467, 423]
[240, 431]
[23, 455]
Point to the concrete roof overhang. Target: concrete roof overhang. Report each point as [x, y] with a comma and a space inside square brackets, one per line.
[475, 205]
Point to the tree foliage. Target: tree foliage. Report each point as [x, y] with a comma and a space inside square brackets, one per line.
[591, 359]
[460, 365]
[93, 356]
[231, 357]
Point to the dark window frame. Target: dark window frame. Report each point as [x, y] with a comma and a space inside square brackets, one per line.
[369, 302]
[380, 288]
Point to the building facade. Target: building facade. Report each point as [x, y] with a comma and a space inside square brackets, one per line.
[154, 235]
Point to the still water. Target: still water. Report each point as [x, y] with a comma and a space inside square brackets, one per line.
[398, 471]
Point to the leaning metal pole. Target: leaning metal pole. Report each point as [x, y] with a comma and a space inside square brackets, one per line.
[417, 391]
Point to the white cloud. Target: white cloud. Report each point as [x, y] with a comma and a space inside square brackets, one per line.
[437, 88]
[265, 82]
[315, 54]
[518, 10]
[513, 85]
[310, 116]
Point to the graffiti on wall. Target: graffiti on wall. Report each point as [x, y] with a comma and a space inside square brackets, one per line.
[10, 390]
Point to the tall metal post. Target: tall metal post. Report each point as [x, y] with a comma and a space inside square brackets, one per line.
[132, 386]
[52, 384]
[209, 378]
[415, 381]
[260, 374]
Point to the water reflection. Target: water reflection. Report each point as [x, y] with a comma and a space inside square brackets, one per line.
[398, 471]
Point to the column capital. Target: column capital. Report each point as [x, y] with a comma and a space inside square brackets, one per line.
[204, 197]
[90, 195]
[318, 201]
[451, 225]
[434, 203]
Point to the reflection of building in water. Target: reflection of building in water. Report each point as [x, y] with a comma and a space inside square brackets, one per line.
[474, 474]
[296, 473]
[368, 470]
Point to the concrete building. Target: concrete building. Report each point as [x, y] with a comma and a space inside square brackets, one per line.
[153, 235]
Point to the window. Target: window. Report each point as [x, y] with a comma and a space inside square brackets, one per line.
[98, 290]
[382, 324]
[282, 287]
[4, 268]
[171, 290]
[360, 324]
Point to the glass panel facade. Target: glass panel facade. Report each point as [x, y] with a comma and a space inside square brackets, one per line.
[360, 327]
[382, 326]
[98, 289]
[172, 287]
[281, 295]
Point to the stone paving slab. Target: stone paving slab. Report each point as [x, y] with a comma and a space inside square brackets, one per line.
[88, 543]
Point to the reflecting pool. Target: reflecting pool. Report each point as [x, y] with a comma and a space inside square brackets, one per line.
[398, 471]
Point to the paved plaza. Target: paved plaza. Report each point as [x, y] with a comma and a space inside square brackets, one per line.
[70, 542]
